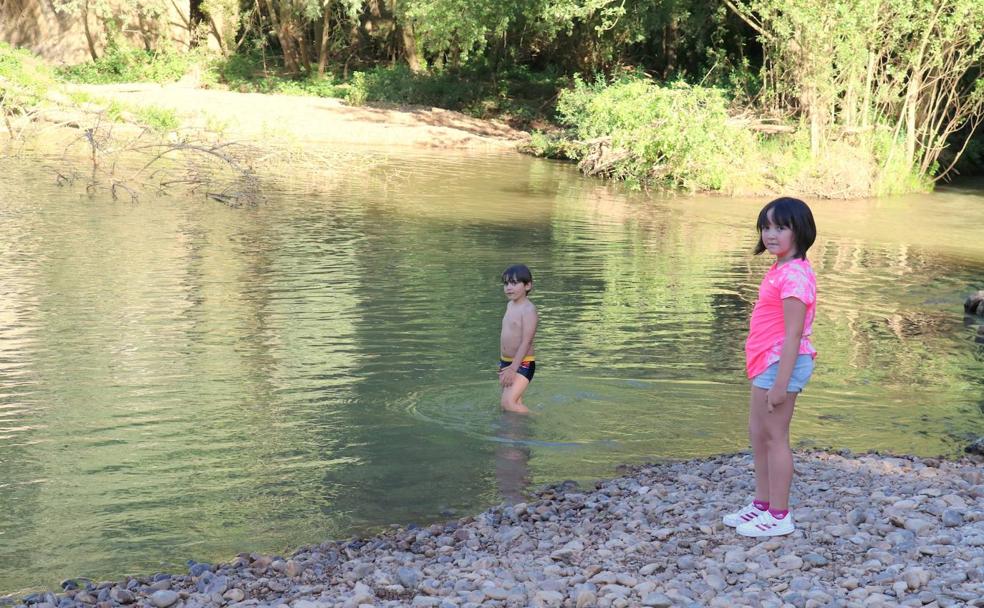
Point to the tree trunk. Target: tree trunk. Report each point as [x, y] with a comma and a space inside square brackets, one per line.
[325, 38]
[88, 33]
[816, 128]
[302, 45]
[196, 16]
[850, 105]
[911, 101]
[223, 44]
[868, 83]
[670, 48]
[283, 36]
[410, 48]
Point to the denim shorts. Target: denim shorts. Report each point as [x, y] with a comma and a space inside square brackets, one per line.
[802, 371]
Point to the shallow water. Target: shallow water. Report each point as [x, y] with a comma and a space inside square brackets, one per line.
[180, 379]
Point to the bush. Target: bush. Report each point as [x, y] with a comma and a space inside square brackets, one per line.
[247, 73]
[399, 85]
[159, 119]
[24, 79]
[516, 95]
[553, 145]
[675, 136]
[124, 63]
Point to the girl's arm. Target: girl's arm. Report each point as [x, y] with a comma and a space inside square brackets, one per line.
[793, 315]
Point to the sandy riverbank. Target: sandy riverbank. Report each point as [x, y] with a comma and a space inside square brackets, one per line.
[310, 121]
[230, 142]
[872, 531]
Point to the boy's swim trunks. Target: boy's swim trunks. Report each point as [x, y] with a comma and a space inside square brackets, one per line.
[526, 369]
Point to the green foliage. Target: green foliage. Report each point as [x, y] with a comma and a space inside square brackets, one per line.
[554, 145]
[156, 118]
[516, 95]
[462, 27]
[24, 80]
[122, 62]
[159, 119]
[401, 86]
[905, 66]
[675, 136]
[115, 12]
[114, 111]
[246, 72]
[358, 91]
[895, 174]
[590, 35]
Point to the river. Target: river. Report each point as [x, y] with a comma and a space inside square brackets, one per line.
[182, 379]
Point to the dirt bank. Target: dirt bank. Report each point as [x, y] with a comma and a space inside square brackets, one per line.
[312, 120]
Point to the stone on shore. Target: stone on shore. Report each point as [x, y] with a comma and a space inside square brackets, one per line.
[871, 531]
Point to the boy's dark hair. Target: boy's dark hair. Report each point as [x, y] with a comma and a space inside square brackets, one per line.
[519, 273]
[791, 213]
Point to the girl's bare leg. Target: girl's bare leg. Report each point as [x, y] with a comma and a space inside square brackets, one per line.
[769, 432]
[760, 448]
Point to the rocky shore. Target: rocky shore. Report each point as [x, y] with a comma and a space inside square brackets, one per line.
[872, 531]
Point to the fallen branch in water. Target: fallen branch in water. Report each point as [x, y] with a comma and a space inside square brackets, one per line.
[223, 169]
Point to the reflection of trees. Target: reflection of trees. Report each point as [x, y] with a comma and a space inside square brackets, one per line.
[659, 293]
[21, 469]
[429, 272]
[187, 360]
[874, 322]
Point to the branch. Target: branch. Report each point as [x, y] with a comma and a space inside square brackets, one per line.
[747, 18]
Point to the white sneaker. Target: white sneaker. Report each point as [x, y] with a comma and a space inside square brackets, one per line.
[742, 515]
[767, 525]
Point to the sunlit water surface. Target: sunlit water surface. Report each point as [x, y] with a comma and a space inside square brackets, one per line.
[181, 379]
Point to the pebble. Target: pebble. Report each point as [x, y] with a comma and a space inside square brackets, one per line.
[872, 531]
[163, 598]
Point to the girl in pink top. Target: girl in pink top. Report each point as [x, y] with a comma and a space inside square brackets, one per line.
[779, 361]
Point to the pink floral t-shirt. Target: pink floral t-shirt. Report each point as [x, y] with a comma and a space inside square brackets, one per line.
[794, 279]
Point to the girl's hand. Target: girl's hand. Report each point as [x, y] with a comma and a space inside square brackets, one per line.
[774, 398]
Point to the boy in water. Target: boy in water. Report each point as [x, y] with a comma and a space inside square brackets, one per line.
[517, 363]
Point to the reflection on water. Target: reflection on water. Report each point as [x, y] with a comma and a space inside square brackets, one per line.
[182, 380]
[512, 455]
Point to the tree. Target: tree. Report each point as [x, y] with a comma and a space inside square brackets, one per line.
[909, 67]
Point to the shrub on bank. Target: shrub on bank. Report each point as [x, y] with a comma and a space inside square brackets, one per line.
[675, 136]
[682, 137]
[24, 80]
[122, 62]
[516, 95]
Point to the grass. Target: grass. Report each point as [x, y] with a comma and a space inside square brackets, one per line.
[24, 80]
[162, 120]
[123, 63]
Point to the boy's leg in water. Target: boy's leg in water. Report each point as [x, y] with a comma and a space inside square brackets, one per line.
[769, 434]
[512, 396]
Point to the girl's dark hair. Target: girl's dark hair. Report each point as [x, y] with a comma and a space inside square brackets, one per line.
[791, 213]
[519, 273]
